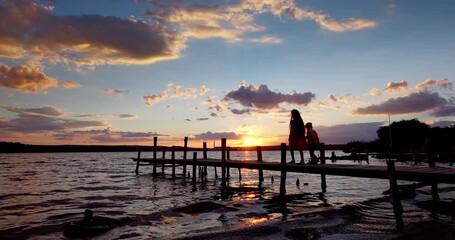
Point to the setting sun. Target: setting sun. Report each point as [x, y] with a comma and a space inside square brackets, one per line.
[251, 141]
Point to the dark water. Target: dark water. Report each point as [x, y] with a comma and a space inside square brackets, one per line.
[40, 193]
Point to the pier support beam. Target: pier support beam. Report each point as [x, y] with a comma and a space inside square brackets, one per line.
[173, 161]
[204, 156]
[185, 148]
[194, 168]
[322, 157]
[138, 161]
[283, 170]
[397, 207]
[164, 157]
[155, 141]
[228, 157]
[223, 162]
[261, 174]
[434, 185]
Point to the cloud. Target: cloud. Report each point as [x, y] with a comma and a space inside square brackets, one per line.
[375, 92]
[108, 136]
[444, 111]
[175, 91]
[154, 98]
[442, 83]
[44, 119]
[29, 30]
[266, 39]
[217, 136]
[24, 78]
[203, 119]
[412, 103]
[101, 115]
[261, 97]
[344, 133]
[443, 124]
[116, 91]
[70, 84]
[231, 21]
[127, 116]
[396, 86]
[240, 112]
[48, 111]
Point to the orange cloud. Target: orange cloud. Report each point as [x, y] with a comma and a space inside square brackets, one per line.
[70, 84]
[26, 79]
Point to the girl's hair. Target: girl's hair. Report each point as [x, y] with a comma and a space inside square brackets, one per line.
[297, 123]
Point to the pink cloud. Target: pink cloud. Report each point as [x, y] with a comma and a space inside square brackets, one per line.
[26, 79]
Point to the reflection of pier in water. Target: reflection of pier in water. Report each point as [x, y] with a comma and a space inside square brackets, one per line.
[430, 175]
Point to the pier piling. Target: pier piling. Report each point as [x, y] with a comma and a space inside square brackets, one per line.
[173, 162]
[185, 148]
[397, 207]
[137, 165]
[155, 142]
[260, 171]
[283, 170]
[223, 162]
[322, 157]
[194, 167]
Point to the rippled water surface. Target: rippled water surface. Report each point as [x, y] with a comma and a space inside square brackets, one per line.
[41, 192]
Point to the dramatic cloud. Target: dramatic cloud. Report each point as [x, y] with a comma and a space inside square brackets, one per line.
[175, 91]
[217, 136]
[396, 86]
[231, 21]
[412, 103]
[70, 84]
[116, 91]
[24, 78]
[442, 83]
[29, 30]
[261, 97]
[340, 134]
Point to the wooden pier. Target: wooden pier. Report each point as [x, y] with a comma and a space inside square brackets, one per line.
[430, 175]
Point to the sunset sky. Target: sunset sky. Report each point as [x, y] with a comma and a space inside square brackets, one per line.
[123, 71]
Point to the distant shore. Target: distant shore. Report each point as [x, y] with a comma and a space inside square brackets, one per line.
[9, 147]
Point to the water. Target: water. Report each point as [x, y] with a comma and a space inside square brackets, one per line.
[42, 192]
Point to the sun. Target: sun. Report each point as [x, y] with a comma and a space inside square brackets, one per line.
[251, 141]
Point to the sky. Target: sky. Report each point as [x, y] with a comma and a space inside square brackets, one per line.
[111, 72]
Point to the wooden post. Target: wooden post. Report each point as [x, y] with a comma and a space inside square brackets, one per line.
[173, 161]
[323, 180]
[397, 207]
[155, 141]
[185, 148]
[283, 170]
[223, 162]
[228, 170]
[434, 185]
[204, 156]
[194, 167]
[138, 161]
[164, 157]
[240, 174]
[259, 153]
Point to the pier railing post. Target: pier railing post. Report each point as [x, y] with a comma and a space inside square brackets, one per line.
[194, 168]
[223, 162]
[261, 173]
[138, 161]
[434, 185]
[228, 157]
[322, 157]
[173, 161]
[185, 148]
[155, 141]
[164, 157]
[283, 170]
[204, 156]
[397, 207]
